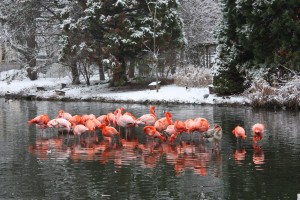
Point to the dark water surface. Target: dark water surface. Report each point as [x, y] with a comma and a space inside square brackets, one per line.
[35, 165]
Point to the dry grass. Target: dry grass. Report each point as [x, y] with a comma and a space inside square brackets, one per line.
[262, 94]
[192, 76]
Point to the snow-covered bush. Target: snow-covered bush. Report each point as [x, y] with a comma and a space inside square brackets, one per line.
[193, 76]
[13, 74]
[262, 94]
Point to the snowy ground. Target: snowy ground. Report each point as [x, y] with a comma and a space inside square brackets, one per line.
[167, 94]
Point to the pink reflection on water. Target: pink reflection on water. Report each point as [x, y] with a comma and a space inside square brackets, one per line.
[198, 158]
[258, 156]
[239, 156]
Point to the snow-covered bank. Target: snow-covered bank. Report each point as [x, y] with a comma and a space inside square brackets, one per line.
[102, 92]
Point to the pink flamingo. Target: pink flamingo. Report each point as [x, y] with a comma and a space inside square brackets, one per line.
[239, 132]
[103, 119]
[111, 117]
[151, 132]
[109, 131]
[258, 130]
[61, 124]
[63, 114]
[126, 121]
[79, 129]
[178, 128]
[40, 120]
[164, 122]
[76, 119]
[148, 119]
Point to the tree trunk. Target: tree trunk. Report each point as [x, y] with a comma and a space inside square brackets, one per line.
[101, 70]
[119, 71]
[30, 58]
[131, 69]
[86, 74]
[74, 73]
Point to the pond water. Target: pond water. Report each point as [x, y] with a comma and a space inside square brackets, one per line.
[48, 165]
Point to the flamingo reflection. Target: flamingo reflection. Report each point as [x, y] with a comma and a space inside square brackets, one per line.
[258, 155]
[185, 156]
[239, 155]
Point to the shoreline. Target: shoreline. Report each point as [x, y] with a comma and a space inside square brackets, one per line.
[35, 97]
[61, 89]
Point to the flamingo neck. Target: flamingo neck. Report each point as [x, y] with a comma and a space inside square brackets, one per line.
[168, 118]
[152, 111]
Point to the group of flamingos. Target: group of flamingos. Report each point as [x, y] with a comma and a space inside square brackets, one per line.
[165, 129]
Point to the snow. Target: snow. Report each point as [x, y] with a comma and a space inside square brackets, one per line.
[166, 94]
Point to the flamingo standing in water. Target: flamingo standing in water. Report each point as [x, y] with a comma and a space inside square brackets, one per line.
[214, 134]
[111, 117]
[199, 124]
[178, 128]
[148, 119]
[76, 119]
[61, 124]
[90, 124]
[126, 121]
[239, 132]
[40, 122]
[79, 129]
[109, 131]
[103, 119]
[63, 114]
[151, 132]
[258, 130]
[164, 122]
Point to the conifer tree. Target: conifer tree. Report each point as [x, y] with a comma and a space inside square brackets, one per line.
[256, 34]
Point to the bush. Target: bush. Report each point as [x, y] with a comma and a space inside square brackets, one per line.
[287, 95]
[228, 81]
[192, 76]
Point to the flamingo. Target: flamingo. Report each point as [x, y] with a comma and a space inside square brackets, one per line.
[90, 124]
[103, 119]
[170, 130]
[202, 124]
[76, 119]
[164, 122]
[84, 118]
[109, 131]
[127, 120]
[153, 133]
[148, 119]
[179, 128]
[258, 130]
[79, 129]
[63, 114]
[198, 124]
[111, 117]
[60, 123]
[41, 121]
[239, 132]
[214, 134]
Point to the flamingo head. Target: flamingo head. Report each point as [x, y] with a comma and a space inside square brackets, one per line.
[217, 127]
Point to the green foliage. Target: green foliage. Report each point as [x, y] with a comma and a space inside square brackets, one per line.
[254, 34]
[123, 30]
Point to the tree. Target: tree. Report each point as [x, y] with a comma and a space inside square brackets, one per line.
[27, 25]
[256, 34]
[200, 18]
[125, 29]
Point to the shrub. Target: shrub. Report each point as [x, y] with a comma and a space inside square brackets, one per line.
[192, 76]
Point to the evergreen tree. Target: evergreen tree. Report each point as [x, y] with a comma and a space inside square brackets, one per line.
[256, 34]
[125, 29]
[228, 78]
